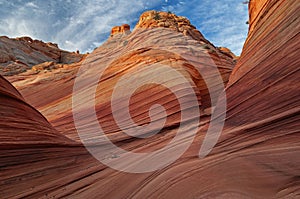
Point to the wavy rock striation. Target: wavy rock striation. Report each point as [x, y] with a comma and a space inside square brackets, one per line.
[255, 157]
[132, 54]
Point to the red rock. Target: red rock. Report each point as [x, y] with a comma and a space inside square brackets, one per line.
[44, 66]
[20, 54]
[115, 30]
[51, 93]
[152, 19]
[262, 126]
[255, 157]
[228, 52]
[21, 124]
[124, 29]
[62, 118]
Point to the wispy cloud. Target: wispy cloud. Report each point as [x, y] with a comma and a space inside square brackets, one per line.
[83, 25]
[31, 4]
[221, 22]
[92, 22]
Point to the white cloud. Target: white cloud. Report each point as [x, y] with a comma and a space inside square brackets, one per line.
[82, 25]
[221, 22]
[31, 4]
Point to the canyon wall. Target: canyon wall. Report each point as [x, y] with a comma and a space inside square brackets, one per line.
[255, 157]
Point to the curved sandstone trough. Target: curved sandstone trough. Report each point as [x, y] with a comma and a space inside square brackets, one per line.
[257, 155]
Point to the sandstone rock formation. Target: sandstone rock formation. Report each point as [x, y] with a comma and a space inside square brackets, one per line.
[124, 29]
[18, 55]
[143, 47]
[261, 132]
[228, 52]
[21, 124]
[255, 157]
[169, 20]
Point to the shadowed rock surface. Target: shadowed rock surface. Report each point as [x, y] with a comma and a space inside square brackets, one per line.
[20, 54]
[257, 155]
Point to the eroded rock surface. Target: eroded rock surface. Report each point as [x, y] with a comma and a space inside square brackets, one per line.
[20, 54]
[122, 54]
[255, 157]
[123, 29]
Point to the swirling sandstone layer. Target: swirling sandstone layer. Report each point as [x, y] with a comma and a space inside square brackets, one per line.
[131, 54]
[20, 123]
[256, 156]
[62, 170]
[261, 133]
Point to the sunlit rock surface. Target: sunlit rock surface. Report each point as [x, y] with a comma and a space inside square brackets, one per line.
[255, 157]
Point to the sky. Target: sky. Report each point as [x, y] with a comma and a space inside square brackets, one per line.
[86, 24]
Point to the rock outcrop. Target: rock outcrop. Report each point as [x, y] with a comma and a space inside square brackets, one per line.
[20, 54]
[169, 20]
[255, 157]
[228, 52]
[123, 29]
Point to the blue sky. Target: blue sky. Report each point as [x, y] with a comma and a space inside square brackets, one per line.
[85, 24]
